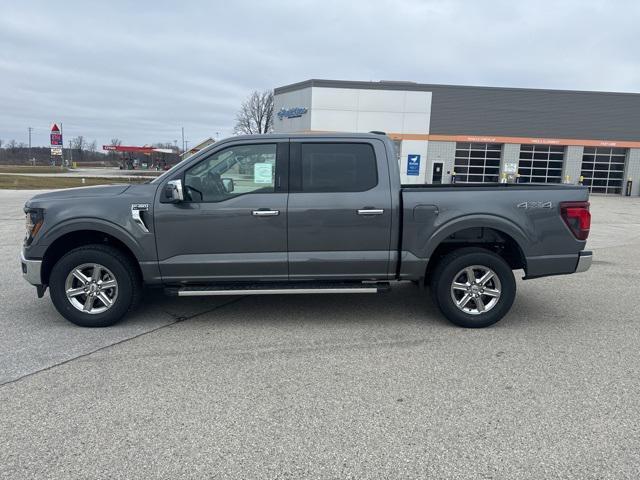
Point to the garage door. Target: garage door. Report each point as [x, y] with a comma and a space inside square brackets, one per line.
[603, 169]
[541, 163]
[477, 162]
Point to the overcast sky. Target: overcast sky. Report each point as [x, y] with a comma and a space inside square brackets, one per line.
[140, 70]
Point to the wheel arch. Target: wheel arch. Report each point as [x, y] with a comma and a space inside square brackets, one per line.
[87, 234]
[492, 233]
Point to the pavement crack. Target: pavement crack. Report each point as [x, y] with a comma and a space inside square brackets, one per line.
[176, 319]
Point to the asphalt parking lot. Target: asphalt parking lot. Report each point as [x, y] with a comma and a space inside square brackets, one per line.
[330, 386]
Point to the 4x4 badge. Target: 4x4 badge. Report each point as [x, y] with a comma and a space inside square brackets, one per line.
[528, 205]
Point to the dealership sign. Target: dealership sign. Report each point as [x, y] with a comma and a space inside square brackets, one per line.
[294, 112]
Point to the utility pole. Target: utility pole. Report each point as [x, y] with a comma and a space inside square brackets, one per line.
[184, 149]
[30, 130]
[62, 146]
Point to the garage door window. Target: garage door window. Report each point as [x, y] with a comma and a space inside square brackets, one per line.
[477, 162]
[541, 163]
[603, 169]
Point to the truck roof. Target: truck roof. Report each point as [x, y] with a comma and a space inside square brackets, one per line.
[306, 135]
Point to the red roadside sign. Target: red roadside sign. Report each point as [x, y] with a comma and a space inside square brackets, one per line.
[56, 139]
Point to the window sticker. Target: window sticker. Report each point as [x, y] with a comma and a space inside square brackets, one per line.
[262, 173]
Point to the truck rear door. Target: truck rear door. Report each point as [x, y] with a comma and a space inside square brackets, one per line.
[339, 209]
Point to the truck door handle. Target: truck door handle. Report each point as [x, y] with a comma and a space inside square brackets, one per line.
[264, 212]
[370, 211]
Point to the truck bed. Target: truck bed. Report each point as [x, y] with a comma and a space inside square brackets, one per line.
[525, 215]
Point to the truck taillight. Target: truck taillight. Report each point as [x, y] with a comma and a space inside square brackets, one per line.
[577, 217]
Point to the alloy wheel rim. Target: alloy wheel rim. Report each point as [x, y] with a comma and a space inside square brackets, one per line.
[476, 289]
[91, 288]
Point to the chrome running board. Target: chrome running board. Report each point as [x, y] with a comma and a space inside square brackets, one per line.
[271, 289]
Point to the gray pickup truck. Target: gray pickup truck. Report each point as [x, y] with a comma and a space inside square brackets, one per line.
[292, 214]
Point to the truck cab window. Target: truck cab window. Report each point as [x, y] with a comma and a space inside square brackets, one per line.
[338, 167]
[231, 172]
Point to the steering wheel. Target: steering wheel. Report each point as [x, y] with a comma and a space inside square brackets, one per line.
[215, 185]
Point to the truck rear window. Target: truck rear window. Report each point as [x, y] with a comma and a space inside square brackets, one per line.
[337, 167]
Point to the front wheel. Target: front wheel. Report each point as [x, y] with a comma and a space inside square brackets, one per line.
[94, 285]
[473, 287]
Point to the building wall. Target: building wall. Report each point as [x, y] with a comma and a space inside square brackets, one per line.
[296, 98]
[535, 113]
[632, 171]
[353, 110]
[479, 114]
[444, 152]
[414, 147]
[518, 112]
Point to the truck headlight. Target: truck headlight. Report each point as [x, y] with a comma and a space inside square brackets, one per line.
[34, 220]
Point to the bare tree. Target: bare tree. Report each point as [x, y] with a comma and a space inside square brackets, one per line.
[1, 142]
[12, 145]
[115, 142]
[92, 147]
[256, 114]
[78, 143]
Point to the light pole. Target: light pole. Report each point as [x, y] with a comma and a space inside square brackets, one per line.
[30, 130]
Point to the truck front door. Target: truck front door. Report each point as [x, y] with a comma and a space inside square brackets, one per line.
[232, 224]
[339, 215]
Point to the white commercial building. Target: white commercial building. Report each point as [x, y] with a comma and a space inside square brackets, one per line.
[480, 134]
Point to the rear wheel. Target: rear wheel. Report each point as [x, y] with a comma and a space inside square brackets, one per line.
[473, 287]
[94, 285]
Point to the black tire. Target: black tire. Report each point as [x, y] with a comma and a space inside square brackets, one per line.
[125, 273]
[448, 269]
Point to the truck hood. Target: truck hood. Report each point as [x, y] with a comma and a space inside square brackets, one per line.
[81, 192]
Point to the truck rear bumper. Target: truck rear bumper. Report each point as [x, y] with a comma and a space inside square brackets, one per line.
[584, 261]
[548, 265]
[31, 270]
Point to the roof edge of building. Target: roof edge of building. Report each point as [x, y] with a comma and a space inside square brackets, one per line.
[421, 87]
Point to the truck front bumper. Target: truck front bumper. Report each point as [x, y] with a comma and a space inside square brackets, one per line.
[584, 261]
[31, 270]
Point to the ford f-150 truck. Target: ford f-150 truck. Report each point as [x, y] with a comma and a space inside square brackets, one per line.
[304, 213]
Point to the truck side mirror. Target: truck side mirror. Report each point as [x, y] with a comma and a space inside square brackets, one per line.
[228, 185]
[173, 192]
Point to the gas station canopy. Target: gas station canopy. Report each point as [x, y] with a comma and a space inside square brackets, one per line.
[125, 148]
